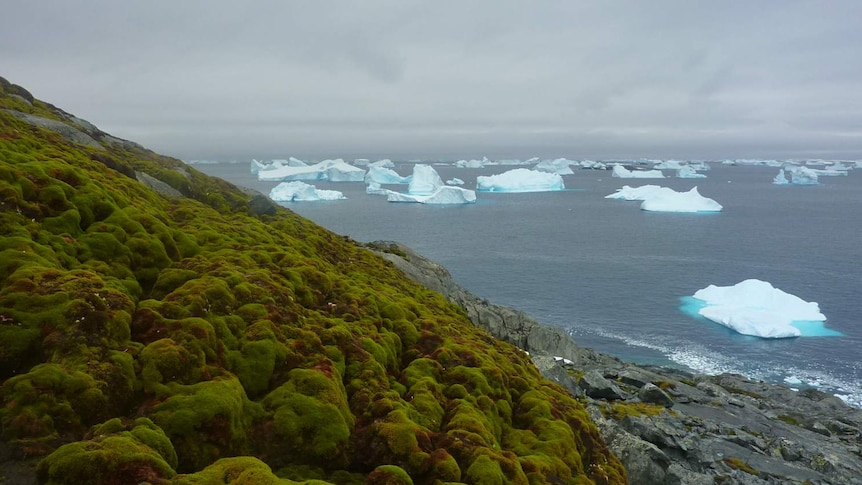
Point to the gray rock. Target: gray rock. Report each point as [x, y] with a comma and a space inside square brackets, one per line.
[157, 185]
[596, 386]
[783, 435]
[66, 131]
[653, 394]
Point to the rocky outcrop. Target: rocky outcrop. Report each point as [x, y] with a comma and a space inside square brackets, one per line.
[669, 426]
[505, 323]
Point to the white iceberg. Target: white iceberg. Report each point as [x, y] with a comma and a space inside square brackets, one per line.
[755, 307]
[385, 163]
[593, 165]
[455, 181]
[796, 175]
[383, 175]
[333, 170]
[673, 201]
[669, 165]
[302, 192]
[374, 188]
[425, 180]
[442, 195]
[636, 193]
[520, 180]
[560, 166]
[624, 173]
[472, 163]
[687, 172]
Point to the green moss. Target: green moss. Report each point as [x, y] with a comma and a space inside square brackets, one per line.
[389, 475]
[619, 410]
[240, 335]
[113, 456]
[740, 465]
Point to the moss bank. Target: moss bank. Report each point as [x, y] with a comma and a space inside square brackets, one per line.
[161, 338]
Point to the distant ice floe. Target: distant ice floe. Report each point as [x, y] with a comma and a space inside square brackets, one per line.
[754, 307]
[797, 176]
[688, 172]
[635, 193]
[520, 180]
[302, 192]
[455, 181]
[673, 201]
[382, 175]
[385, 163]
[472, 163]
[624, 173]
[559, 166]
[332, 170]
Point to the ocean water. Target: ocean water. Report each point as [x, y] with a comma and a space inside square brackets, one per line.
[616, 277]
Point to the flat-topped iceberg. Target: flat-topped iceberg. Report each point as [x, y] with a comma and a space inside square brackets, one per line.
[673, 201]
[688, 172]
[624, 173]
[472, 163]
[333, 170]
[445, 194]
[455, 181]
[302, 192]
[425, 180]
[636, 193]
[520, 180]
[383, 175]
[384, 163]
[559, 166]
[755, 307]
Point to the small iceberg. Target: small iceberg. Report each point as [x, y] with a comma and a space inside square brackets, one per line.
[520, 180]
[426, 187]
[333, 170]
[560, 166]
[672, 201]
[302, 192]
[754, 307]
[797, 176]
[455, 181]
[636, 193]
[445, 194]
[472, 163]
[624, 173]
[688, 172]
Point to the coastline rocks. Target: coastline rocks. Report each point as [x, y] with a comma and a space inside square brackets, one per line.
[669, 426]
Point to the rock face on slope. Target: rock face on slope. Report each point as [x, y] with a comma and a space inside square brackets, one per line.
[669, 426]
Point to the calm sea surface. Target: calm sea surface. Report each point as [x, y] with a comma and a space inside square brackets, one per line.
[613, 275]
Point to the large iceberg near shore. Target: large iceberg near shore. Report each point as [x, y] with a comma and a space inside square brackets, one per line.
[624, 173]
[755, 307]
[302, 192]
[333, 170]
[520, 180]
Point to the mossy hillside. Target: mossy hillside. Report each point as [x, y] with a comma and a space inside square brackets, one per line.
[237, 336]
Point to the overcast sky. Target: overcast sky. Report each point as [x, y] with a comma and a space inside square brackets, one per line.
[450, 79]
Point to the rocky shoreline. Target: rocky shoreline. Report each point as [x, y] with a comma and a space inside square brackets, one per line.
[668, 426]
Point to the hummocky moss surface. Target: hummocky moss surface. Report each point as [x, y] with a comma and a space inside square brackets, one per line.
[149, 337]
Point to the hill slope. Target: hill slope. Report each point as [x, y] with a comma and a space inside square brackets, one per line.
[160, 325]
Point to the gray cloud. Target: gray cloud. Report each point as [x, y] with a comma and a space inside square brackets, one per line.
[218, 79]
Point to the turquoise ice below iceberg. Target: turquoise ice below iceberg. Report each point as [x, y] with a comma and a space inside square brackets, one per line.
[756, 308]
